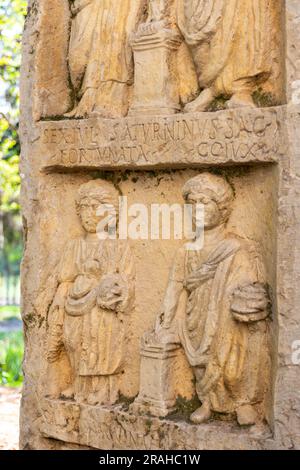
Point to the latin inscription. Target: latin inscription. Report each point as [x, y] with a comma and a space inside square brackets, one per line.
[225, 137]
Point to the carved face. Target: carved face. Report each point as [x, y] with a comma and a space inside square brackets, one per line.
[91, 212]
[212, 213]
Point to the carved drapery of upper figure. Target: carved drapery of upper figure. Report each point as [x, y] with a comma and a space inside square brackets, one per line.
[233, 45]
[100, 59]
[88, 317]
[215, 48]
[217, 307]
[93, 56]
[230, 49]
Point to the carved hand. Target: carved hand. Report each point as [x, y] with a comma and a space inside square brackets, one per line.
[251, 303]
[92, 267]
[60, 298]
[193, 281]
[112, 292]
[160, 335]
[163, 333]
[161, 322]
[148, 28]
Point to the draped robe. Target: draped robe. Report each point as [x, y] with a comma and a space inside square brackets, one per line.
[230, 41]
[100, 58]
[93, 337]
[233, 355]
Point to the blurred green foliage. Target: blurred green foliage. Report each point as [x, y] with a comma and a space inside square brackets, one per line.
[11, 356]
[10, 312]
[12, 15]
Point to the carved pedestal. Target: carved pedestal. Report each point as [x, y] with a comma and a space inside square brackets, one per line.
[155, 86]
[157, 392]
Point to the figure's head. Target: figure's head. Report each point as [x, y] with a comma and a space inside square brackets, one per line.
[95, 201]
[214, 193]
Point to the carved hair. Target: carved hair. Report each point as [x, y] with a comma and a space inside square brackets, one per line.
[101, 190]
[216, 187]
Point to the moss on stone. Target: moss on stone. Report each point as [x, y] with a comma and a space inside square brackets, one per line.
[264, 99]
[125, 401]
[218, 104]
[184, 408]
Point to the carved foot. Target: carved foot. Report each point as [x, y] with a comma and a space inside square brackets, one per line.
[68, 394]
[71, 114]
[82, 112]
[79, 112]
[246, 415]
[261, 431]
[201, 103]
[202, 414]
[240, 100]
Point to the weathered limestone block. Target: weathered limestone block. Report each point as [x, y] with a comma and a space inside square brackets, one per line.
[157, 394]
[232, 49]
[160, 341]
[53, 95]
[230, 137]
[292, 59]
[155, 46]
[223, 321]
[119, 430]
[158, 49]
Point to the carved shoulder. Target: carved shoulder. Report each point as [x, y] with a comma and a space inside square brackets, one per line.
[249, 260]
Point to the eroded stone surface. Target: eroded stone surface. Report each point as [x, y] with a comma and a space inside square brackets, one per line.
[255, 150]
[114, 428]
[217, 306]
[227, 137]
[155, 56]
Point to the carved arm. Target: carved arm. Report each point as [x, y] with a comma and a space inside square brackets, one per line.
[55, 322]
[251, 303]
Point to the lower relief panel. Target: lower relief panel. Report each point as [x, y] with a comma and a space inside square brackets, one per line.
[154, 342]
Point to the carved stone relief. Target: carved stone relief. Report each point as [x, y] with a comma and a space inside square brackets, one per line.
[149, 343]
[232, 45]
[244, 136]
[216, 307]
[96, 59]
[88, 316]
[99, 58]
[154, 57]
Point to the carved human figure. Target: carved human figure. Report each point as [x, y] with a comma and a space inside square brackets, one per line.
[88, 317]
[100, 59]
[230, 42]
[217, 306]
[158, 16]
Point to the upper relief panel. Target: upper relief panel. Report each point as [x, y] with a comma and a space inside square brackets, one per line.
[235, 47]
[111, 58]
[85, 62]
